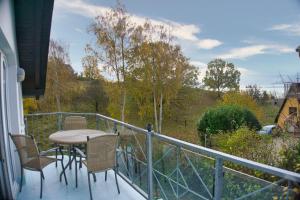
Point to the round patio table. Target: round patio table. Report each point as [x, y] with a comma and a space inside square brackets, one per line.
[71, 138]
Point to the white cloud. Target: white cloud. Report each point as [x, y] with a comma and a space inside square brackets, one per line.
[283, 49]
[245, 71]
[292, 29]
[208, 43]
[280, 27]
[243, 52]
[81, 8]
[252, 50]
[181, 31]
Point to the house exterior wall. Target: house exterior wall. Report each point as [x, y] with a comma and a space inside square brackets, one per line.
[11, 105]
[290, 102]
[7, 23]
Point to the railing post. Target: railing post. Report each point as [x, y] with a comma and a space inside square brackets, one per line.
[59, 121]
[177, 171]
[115, 127]
[26, 125]
[288, 190]
[218, 185]
[97, 122]
[149, 162]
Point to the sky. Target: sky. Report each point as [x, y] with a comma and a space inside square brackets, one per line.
[258, 36]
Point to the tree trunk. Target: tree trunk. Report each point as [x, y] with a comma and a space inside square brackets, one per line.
[219, 92]
[155, 111]
[123, 106]
[124, 79]
[96, 107]
[58, 103]
[154, 92]
[160, 112]
[57, 92]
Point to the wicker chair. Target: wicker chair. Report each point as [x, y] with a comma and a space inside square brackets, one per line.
[73, 123]
[31, 158]
[101, 156]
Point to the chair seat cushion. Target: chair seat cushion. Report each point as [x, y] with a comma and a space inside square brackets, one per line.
[39, 163]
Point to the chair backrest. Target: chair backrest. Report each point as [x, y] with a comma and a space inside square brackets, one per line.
[75, 122]
[101, 152]
[26, 148]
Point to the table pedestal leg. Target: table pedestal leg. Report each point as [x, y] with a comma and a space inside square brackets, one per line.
[71, 159]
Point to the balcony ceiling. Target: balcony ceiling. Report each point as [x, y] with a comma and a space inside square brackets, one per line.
[33, 23]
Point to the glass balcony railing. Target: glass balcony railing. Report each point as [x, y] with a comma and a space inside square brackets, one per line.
[161, 167]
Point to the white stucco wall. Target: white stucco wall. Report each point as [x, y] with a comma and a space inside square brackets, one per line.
[7, 27]
[7, 22]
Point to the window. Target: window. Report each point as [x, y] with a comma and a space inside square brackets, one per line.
[292, 110]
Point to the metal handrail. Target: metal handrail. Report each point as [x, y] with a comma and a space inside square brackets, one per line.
[217, 155]
[292, 176]
[95, 114]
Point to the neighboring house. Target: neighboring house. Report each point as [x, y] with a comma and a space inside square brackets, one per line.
[289, 113]
[24, 41]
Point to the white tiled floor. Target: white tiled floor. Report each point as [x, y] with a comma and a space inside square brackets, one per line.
[55, 190]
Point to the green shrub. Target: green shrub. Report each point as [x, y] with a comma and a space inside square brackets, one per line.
[246, 143]
[226, 118]
[290, 158]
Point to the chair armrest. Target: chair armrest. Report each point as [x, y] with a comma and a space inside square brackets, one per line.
[77, 150]
[118, 150]
[43, 153]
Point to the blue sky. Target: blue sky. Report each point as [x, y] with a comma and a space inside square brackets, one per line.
[259, 37]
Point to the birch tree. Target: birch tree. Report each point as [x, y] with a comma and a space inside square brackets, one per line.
[113, 34]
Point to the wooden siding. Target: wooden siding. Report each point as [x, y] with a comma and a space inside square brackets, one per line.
[284, 113]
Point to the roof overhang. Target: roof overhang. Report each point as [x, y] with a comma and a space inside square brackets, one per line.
[33, 24]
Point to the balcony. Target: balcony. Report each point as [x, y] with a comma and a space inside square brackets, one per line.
[154, 166]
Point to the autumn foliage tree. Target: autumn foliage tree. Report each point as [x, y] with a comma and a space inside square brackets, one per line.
[90, 64]
[160, 67]
[61, 79]
[30, 105]
[244, 100]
